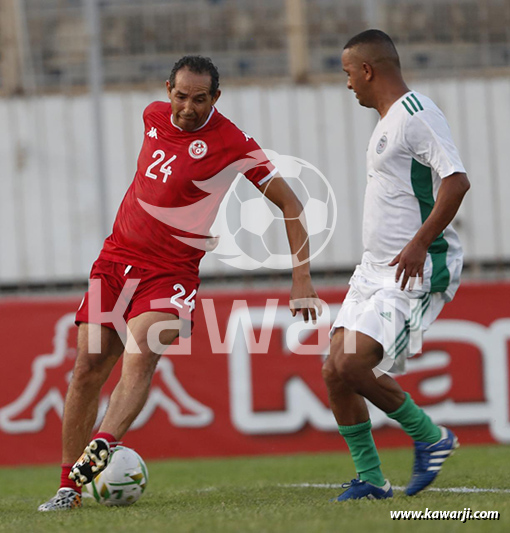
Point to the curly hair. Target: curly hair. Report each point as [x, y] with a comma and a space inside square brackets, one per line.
[199, 65]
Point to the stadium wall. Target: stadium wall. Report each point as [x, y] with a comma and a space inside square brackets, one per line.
[49, 219]
[249, 381]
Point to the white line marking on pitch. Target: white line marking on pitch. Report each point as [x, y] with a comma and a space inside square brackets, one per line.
[462, 490]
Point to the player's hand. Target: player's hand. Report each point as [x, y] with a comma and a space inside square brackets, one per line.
[211, 242]
[410, 261]
[304, 299]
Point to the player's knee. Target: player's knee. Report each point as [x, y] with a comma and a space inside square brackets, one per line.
[334, 372]
[341, 368]
[332, 367]
[348, 371]
[89, 370]
[138, 369]
[329, 373]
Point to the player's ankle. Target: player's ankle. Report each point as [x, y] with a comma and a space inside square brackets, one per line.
[108, 437]
[374, 477]
[65, 482]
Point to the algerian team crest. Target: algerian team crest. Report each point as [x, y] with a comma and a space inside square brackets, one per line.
[381, 145]
[197, 149]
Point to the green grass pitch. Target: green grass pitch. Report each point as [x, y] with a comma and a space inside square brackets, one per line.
[267, 494]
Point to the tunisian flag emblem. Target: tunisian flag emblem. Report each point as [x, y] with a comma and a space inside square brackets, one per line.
[197, 149]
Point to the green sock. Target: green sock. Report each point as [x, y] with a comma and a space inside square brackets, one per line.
[415, 422]
[363, 451]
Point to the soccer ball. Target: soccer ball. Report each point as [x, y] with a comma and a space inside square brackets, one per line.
[123, 481]
[257, 227]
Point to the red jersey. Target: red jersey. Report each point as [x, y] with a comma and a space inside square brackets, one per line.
[180, 181]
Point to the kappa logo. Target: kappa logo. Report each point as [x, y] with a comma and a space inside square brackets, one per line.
[46, 389]
[381, 145]
[438, 376]
[197, 149]
[153, 133]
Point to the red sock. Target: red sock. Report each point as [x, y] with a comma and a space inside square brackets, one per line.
[65, 482]
[106, 436]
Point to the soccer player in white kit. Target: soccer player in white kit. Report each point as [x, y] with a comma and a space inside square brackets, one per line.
[410, 267]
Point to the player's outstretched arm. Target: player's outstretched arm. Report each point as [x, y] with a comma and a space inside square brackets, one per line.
[411, 259]
[303, 298]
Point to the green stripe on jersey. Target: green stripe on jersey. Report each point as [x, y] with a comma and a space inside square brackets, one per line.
[413, 105]
[421, 179]
[413, 96]
[407, 107]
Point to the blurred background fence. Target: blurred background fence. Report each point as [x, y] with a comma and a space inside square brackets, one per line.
[45, 43]
[76, 75]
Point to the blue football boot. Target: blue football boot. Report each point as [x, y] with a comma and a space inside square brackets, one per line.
[428, 460]
[358, 489]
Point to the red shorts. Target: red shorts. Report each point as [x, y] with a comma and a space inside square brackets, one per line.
[119, 292]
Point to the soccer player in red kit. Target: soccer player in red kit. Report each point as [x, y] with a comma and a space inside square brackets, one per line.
[147, 271]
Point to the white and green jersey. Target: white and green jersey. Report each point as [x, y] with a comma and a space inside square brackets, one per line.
[409, 153]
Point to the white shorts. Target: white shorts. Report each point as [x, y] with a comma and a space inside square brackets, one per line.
[396, 319]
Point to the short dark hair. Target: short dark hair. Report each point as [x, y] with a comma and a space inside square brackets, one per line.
[198, 65]
[375, 37]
